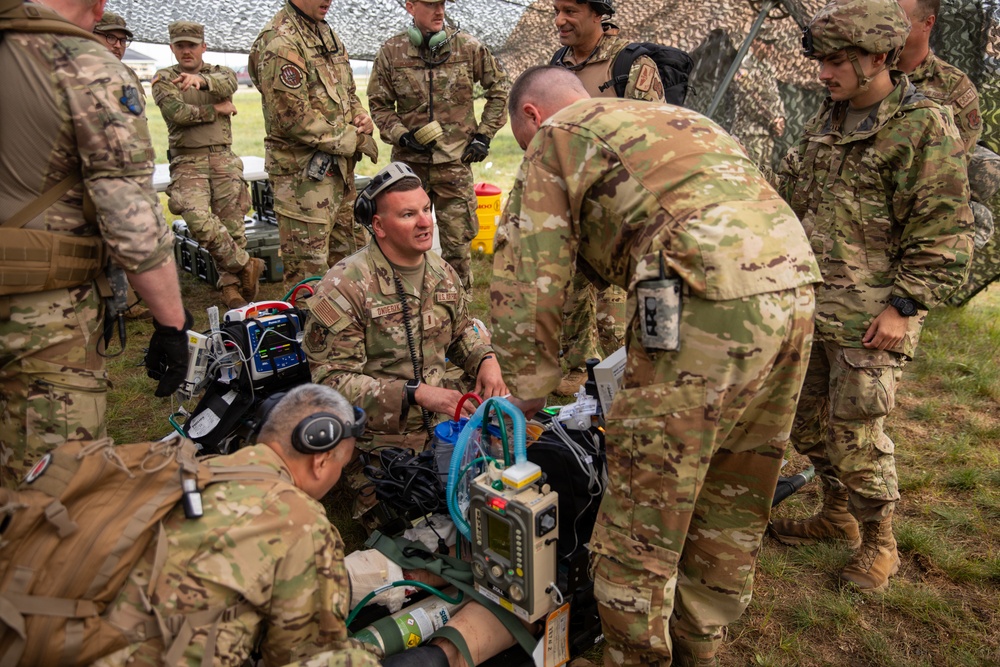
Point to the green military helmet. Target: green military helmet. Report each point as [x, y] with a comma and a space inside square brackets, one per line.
[876, 26]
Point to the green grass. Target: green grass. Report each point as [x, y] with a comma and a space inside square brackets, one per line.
[942, 608]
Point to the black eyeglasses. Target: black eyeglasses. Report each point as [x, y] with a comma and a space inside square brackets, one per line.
[112, 40]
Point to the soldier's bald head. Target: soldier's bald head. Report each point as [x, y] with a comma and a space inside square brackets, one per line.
[537, 94]
[81, 13]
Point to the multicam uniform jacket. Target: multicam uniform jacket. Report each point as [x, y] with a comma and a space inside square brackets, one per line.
[406, 92]
[604, 187]
[307, 91]
[947, 85]
[644, 81]
[886, 210]
[265, 545]
[356, 341]
[191, 119]
[69, 107]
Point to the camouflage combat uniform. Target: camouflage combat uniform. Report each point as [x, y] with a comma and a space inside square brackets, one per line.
[757, 105]
[886, 210]
[206, 178]
[356, 343]
[949, 86]
[694, 436]
[62, 115]
[598, 318]
[307, 92]
[109, 22]
[643, 77]
[405, 92]
[266, 551]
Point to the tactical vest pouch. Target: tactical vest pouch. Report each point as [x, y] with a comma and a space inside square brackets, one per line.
[72, 532]
[35, 260]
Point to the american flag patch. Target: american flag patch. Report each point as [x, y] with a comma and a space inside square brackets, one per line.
[325, 311]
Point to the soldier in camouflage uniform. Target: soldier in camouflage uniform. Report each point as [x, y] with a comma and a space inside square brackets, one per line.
[206, 178]
[595, 321]
[659, 198]
[879, 182]
[113, 30]
[115, 33]
[72, 129]
[934, 78]
[424, 74]
[759, 114]
[948, 86]
[382, 323]
[313, 118]
[264, 552]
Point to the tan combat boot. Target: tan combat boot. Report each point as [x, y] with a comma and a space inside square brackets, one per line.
[876, 560]
[232, 298]
[250, 277]
[571, 383]
[833, 523]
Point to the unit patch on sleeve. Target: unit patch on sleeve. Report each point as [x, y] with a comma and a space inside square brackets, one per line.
[291, 76]
[647, 73]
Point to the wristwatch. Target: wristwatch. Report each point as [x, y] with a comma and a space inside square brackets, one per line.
[906, 307]
[411, 391]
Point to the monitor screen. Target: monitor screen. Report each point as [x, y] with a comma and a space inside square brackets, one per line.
[499, 541]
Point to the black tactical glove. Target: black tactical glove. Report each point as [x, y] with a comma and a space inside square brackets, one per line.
[167, 356]
[477, 150]
[410, 143]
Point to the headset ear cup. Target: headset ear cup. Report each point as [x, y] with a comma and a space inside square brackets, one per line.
[318, 433]
[415, 36]
[364, 211]
[437, 39]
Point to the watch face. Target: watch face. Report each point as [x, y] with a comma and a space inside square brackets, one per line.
[906, 307]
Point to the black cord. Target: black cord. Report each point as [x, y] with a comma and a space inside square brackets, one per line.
[109, 327]
[405, 480]
[417, 374]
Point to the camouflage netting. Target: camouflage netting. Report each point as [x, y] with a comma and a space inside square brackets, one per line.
[522, 34]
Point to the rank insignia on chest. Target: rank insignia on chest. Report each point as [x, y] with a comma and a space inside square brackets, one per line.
[130, 99]
[290, 76]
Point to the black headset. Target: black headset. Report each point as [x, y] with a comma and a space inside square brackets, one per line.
[322, 431]
[364, 205]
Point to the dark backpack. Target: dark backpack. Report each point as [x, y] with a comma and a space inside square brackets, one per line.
[673, 64]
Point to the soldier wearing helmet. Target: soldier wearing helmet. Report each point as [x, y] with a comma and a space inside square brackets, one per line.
[879, 182]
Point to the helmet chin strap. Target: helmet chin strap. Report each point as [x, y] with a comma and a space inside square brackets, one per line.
[864, 82]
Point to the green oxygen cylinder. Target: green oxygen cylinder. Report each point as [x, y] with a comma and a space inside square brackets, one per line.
[411, 626]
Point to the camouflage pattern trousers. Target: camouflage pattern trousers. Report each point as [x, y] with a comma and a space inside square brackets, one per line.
[695, 441]
[316, 225]
[53, 386]
[209, 192]
[845, 399]
[594, 321]
[453, 196]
